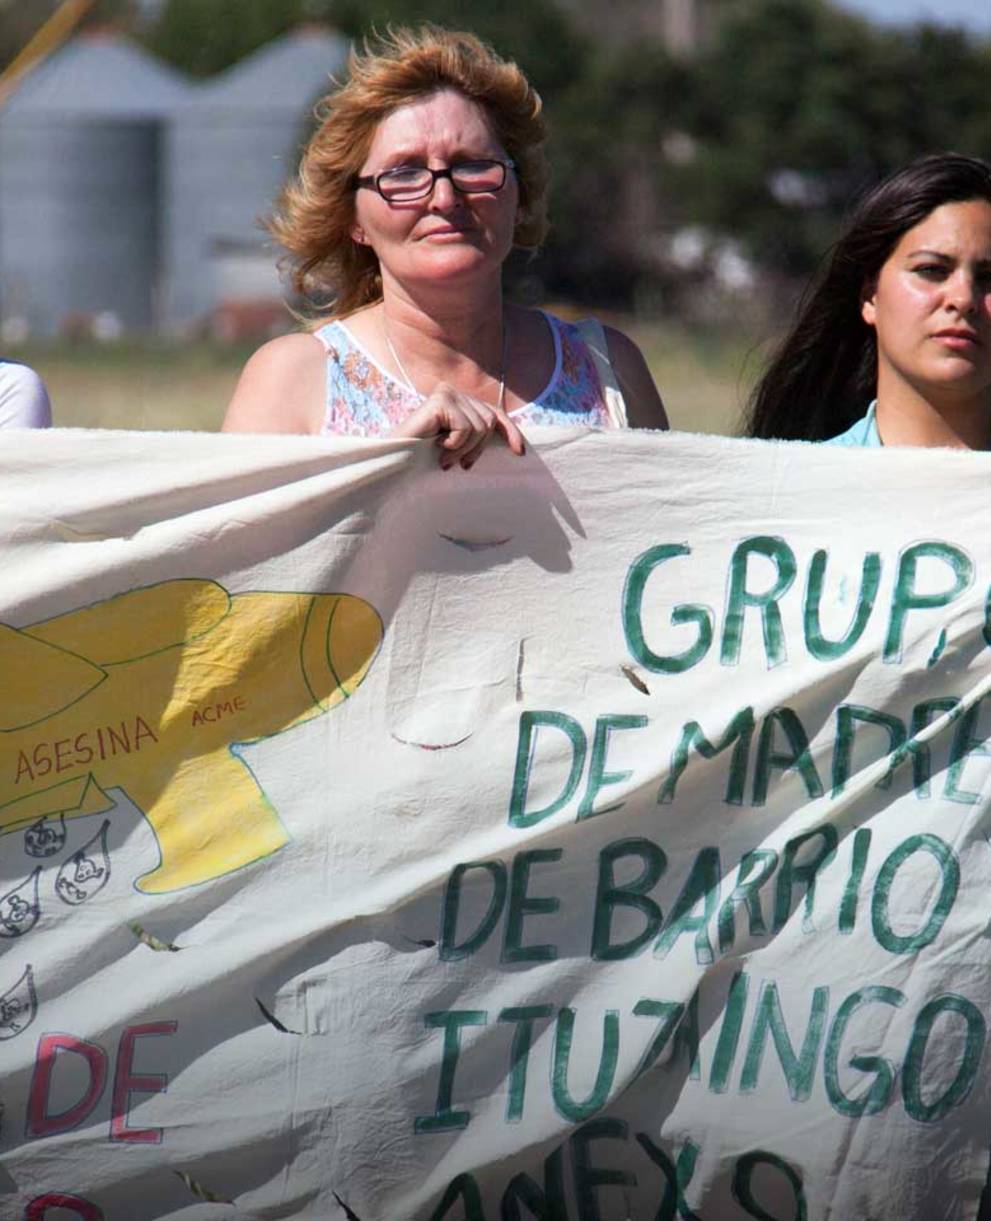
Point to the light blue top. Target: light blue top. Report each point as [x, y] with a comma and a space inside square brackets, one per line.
[864, 432]
[365, 400]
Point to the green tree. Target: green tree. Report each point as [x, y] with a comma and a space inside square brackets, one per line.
[609, 200]
[538, 35]
[203, 37]
[799, 106]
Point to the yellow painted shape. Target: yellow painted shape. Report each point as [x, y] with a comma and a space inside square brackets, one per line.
[162, 726]
[241, 827]
[139, 622]
[336, 650]
[38, 679]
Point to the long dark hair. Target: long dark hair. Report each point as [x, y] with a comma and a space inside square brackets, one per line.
[825, 372]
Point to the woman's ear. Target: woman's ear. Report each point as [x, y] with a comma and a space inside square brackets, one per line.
[358, 235]
[868, 307]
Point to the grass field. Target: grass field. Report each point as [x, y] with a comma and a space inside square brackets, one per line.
[703, 378]
[136, 384]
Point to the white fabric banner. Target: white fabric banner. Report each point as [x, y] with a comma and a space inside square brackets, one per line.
[596, 836]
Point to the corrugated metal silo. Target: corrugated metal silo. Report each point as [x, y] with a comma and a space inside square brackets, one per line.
[231, 146]
[80, 144]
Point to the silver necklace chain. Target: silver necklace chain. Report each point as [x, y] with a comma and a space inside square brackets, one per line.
[409, 381]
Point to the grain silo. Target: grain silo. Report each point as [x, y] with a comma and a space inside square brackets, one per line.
[80, 142]
[231, 146]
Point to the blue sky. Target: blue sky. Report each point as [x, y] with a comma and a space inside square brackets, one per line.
[974, 14]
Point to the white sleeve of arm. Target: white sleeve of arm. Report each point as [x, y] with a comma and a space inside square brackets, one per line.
[24, 400]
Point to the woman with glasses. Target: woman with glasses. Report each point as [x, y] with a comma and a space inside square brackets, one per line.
[426, 170]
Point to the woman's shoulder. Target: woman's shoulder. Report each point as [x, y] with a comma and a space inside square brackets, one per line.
[643, 402]
[17, 376]
[567, 389]
[281, 388]
[23, 398]
[632, 374]
[288, 350]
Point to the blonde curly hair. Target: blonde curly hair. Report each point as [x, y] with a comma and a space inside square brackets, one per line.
[315, 214]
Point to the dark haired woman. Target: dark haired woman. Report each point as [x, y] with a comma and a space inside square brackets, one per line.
[893, 343]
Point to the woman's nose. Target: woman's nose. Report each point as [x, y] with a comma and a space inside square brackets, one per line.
[443, 197]
[965, 291]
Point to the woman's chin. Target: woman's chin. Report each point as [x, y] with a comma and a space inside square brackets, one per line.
[452, 264]
[964, 375]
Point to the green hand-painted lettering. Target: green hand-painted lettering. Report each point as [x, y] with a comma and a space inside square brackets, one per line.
[521, 905]
[949, 869]
[965, 744]
[847, 718]
[875, 1098]
[452, 1022]
[449, 949]
[906, 598]
[519, 1057]
[631, 895]
[547, 1203]
[742, 1185]
[739, 597]
[797, 757]
[792, 874]
[870, 579]
[669, 1014]
[598, 777]
[729, 1033]
[677, 1176]
[530, 723]
[701, 886]
[588, 1179]
[738, 735]
[746, 893]
[960, 1086]
[577, 1111]
[799, 1069]
[851, 892]
[632, 611]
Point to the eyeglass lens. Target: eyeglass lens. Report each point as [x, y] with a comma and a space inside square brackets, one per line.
[468, 177]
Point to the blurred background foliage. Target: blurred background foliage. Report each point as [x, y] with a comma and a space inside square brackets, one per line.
[678, 176]
[753, 142]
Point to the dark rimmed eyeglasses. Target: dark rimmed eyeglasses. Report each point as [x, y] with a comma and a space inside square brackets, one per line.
[409, 182]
